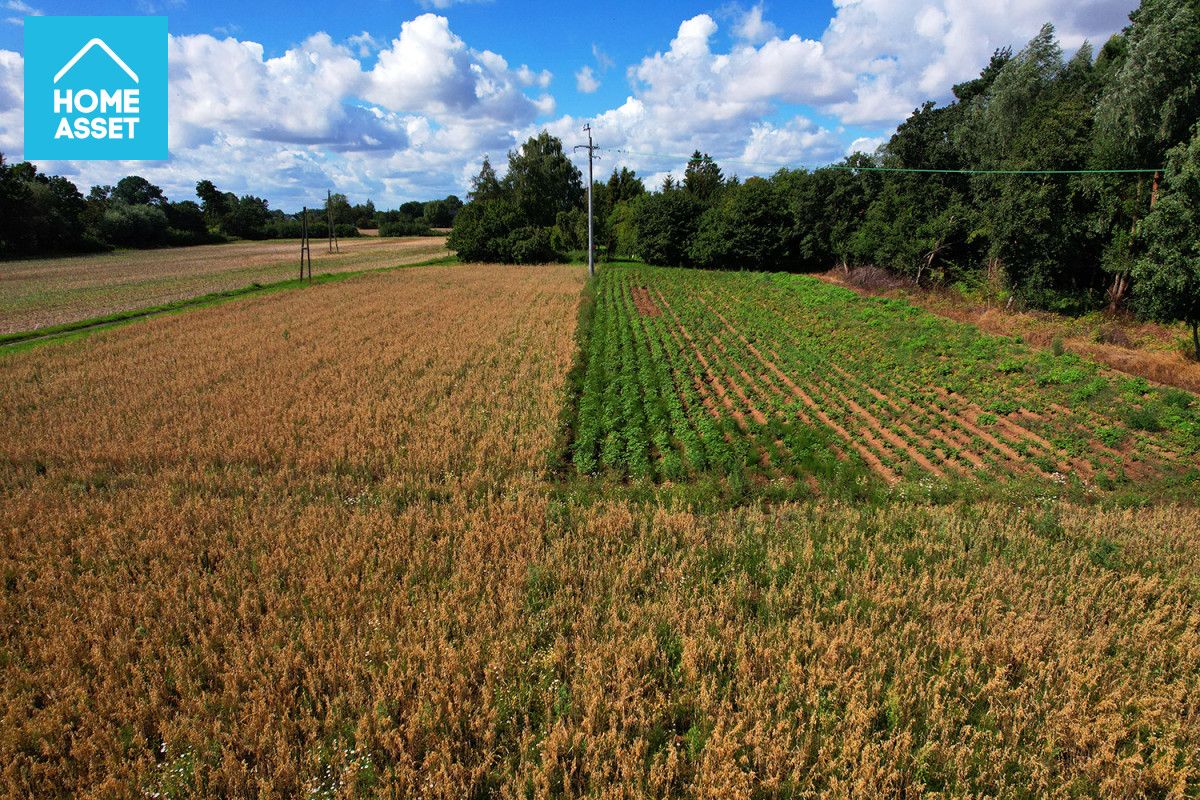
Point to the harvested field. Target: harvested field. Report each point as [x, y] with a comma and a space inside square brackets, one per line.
[777, 378]
[38, 293]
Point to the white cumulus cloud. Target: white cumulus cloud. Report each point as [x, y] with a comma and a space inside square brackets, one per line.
[586, 81]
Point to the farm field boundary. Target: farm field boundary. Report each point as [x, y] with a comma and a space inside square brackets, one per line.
[13, 342]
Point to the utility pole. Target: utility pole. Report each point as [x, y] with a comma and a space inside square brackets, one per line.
[591, 148]
[305, 249]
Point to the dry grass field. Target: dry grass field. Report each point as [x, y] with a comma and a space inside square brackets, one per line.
[305, 545]
[37, 293]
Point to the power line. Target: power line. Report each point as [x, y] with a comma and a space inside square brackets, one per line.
[920, 170]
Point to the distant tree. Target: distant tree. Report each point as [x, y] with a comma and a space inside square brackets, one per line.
[665, 225]
[1167, 277]
[135, 190]
[413, 209]
[213, 201]
[248, 219]
[615, 222]
[186, 223]
[516, 220]
[625, 185]
[1153, 97]
[749, 227]
[702, 178]
[542, 181]
[40, 213]
[343, 212]
[364, 215]
[1036, 115]
[485, 185]
[440, 213]
[1149, 101]
[140, 225]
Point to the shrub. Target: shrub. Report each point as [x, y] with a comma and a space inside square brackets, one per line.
[409, 227]
[134, 226]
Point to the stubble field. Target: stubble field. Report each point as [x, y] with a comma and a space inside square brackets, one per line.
[37, 293]
[310, 544]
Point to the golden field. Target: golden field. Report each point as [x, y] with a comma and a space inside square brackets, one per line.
[36, 293]
[305, 545]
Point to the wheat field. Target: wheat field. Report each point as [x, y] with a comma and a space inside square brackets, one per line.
[307, 545]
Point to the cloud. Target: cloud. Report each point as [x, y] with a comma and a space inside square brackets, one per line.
[21, 8]
[316, 117]
[586, 81]
[363, 44]
[441, 5]
[12, 92]
[753, 28]
[528, 77]
[428, 69]
[902, 52]
[603, 60]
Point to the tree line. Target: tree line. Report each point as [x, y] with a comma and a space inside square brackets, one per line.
[1064, 242]
[46, 215]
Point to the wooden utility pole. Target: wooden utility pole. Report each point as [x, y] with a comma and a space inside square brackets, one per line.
[591, 148]
[305, 248]
[333, 242]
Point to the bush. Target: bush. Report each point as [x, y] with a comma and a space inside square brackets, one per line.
[529, 245]
[134, 226]
[409, 227]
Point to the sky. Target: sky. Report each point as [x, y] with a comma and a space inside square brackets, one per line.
[397, 100]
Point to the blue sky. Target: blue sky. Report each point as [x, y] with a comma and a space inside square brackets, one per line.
[399, 99]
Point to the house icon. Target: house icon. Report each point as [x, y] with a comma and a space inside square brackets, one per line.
[87, 49]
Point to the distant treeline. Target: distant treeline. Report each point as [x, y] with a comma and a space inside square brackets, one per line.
[46, 214]
[1063, 242]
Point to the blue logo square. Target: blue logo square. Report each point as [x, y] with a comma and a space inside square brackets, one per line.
[96, 88]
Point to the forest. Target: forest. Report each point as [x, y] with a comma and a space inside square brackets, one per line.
[1067, 184]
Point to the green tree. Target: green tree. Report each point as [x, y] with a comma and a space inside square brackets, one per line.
[485, 185]
[749, 227]
[542, 181]
[625, 185]
[665, 225]
[248, 218]
[517, 219]
[702, 178]
[215, 203]
[1167, 277]
[135, 190]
